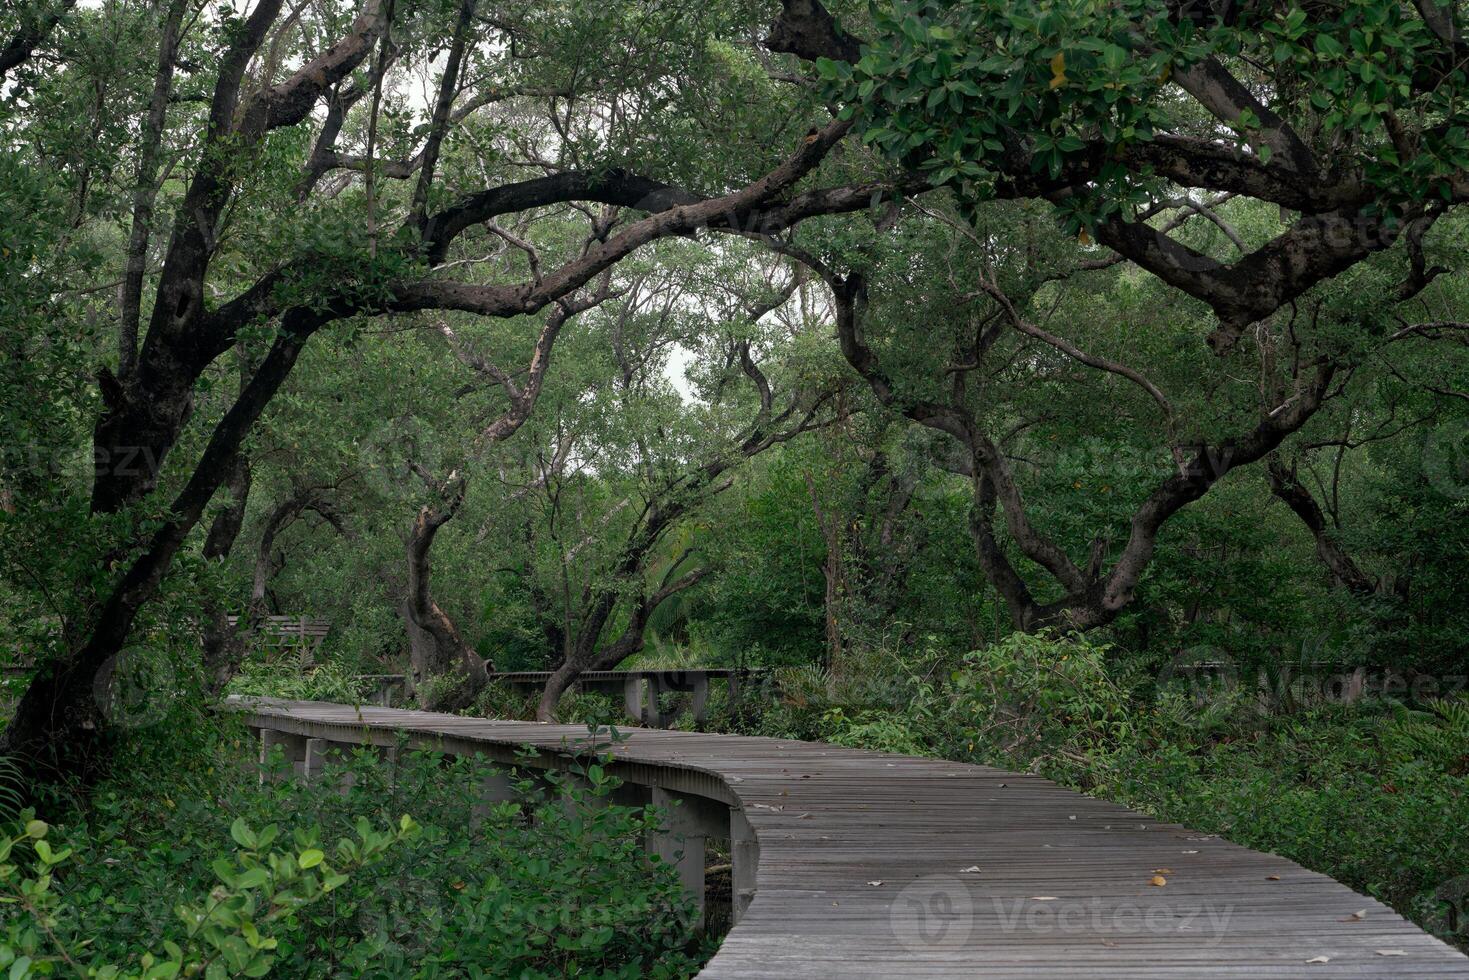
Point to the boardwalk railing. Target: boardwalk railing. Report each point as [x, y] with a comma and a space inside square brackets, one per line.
[849, 863]
[641, 691]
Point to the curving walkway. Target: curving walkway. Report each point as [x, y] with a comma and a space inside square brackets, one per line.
[873, 865]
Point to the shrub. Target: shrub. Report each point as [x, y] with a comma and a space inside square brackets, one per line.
[329, 681]
[1043, 703]
[553, 884]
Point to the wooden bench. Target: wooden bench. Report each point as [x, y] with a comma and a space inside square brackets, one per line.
[303, 634]
[848, 863]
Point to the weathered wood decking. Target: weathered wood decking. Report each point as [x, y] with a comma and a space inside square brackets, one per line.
[874, 865]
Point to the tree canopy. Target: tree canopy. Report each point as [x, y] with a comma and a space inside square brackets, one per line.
[537, 335]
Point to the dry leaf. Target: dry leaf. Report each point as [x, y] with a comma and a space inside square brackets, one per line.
[1190, 852]
[1320, 959]
[1272, 877]
[1058, 70]
[1043, 898]
[973, 869]
[1356, 916]
[874, 884]
[1158, 880]
[1162, 871]
[1390, 952]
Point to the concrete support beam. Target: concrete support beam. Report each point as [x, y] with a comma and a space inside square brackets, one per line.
[497, 787]
[632, 697]
[744, 857]
[318, 752]
[701, 697]
[688, 822]
[322, 752]
[293, 747]
[656, 689]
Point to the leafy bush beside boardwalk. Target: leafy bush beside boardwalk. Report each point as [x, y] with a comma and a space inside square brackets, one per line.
[164, 883]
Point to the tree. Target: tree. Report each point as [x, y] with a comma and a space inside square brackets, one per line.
[225, 275]
[1114, 118]
[667, 460]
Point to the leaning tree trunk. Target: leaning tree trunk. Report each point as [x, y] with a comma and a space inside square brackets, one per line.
[72, 714]
[224, 647]
[1344, 571]
[437, 651]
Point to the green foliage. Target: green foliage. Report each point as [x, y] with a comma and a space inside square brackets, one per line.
[334, 680]
[1045, 702]
[553, 884]
[222, 935]
[957, 89]
[954, 85]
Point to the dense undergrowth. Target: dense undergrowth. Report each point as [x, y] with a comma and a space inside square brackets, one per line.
[202, 870]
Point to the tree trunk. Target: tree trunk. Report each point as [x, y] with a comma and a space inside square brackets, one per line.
[831, 570]
[436, 648]
[63, 729]
[145, 192]
[1343, 570]
[224, 647]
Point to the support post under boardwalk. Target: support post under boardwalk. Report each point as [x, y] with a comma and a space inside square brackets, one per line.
[744, 859]
[701, 697]
[632, 697]
[293, 746]
[321, 752]
[690, 821]
[497, 787]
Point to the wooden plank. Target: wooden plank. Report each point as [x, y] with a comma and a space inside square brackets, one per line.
[875, 865]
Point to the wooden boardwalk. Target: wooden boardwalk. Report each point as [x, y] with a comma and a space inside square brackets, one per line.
[873, 865]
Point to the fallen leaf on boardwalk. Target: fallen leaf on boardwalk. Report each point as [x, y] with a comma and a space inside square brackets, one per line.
[1356, 916]
[1272, 877]
[1043, 898]
[1390, 952]
[973, 869]
[874, 884]
[1162, 871]
[1159, 881]
[1320, 959]
[1190, 852]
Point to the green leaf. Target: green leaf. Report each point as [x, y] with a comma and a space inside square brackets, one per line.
[242, 834]
[311, 857]
[253, 878]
